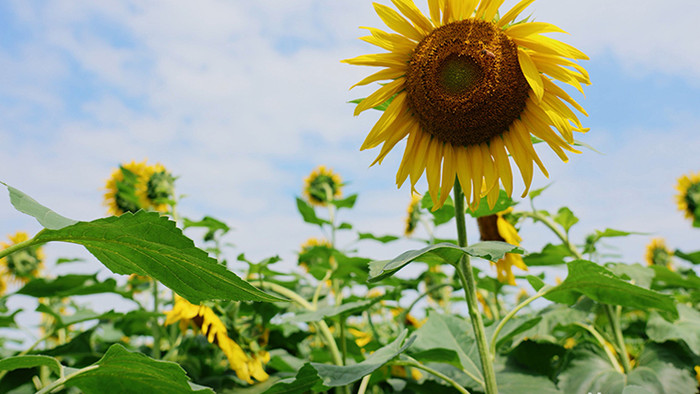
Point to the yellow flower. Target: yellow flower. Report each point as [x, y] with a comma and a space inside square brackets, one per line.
[362, 338]
[497, 228]
[467, 88]
[22, 265]
[569, 343]
[3, 285]
[658, 253]
[135, 186]
[482, 300]
[697, 374]
[413, 214]
[203, 318]
[305, 259]
[688, 197]
[322, 185]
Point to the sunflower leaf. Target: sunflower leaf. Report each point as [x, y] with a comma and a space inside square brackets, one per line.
[29, 361]
[693, 257]
[148, 244]
[442, 253]
[46, 217]
[503, 203]
[685, 328]
[308, 214]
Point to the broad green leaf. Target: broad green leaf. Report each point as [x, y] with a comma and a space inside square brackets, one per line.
[536, 193]
[383, 239]
[598, 283]
[441, 215]
[516, 326]
[43, 215]
[452, 333]
[439, 355]
[305, 379]
[636, 273]
[345, 226]
[504, 202]
[122, 371]
[535, 282]
[334, 375]
[331, 311]
[665, 278]
[212, 225]
[69, 285]
[17, 362]
[552, 318]
[146, 243]
[519, 382]
[309, 214]
[550, 255]
[566, 218]
[442, 253]
[685, 328]
[347, 202]
[693, 257]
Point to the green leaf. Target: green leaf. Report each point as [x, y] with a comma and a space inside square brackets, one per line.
[122, 371]
[665, 278]
[504, 202]
[309, 214]
[212, 225]
[693, 257]
[536, 193]
[146, 243]
[601, 285]
[17, 362]
[331, 311]
[566, 218]
[550, 255]
[552, 318]
[381, 107]
[79, 316]
[347, 202]
[440, 253]
[585, 145]
[306, 378]
[686, 328]
[69, 285]
[636, 273]
[43, 215]
[441, 215]
[439, 355]
[518, 383]
[383, 239]
[452, 333]
[334, 375]
[535, 282]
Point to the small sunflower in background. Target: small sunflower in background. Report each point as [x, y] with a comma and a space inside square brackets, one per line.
[467, 87]
[659, 254]
[203, 318]
[22, 265]
[134, 186]
[688, 197]
[308, 259]
[322, 186]
[413, 216]
[498, 228]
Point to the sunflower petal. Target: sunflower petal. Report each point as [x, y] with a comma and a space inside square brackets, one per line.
[549, 46]
[521, 158]
[448, 173]
[487, 9]
[532, 74]
[464, 173]
[513, 13]
[380, 96]
[477, 173]
[408, 8]
[398, 133]
[408, 156]
[397, 23]
[465, 9]
[502, 163]
[380, 60]
[432, 167]
[530, 28]
[385, 122]
[387, 73]
[434, 6]
[419, 159]
[551, 87]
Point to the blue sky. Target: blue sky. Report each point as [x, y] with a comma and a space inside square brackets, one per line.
[243, 99]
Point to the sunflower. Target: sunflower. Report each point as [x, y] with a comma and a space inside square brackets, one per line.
[466, 89]
[413, 216]
[134, 186]
[323, 249]
[497, 228]
[689, 197]
[22, 265]
[322, 186]
[203, 318]
[658, 253]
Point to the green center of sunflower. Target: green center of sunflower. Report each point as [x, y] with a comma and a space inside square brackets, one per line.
[692, 198]
[464, 82]
[24, 263]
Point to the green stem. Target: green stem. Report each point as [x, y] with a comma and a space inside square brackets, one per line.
[18, 246]
[614, 318]
[322, 326]
[59, 382]
[466, 275]
[512, 313]
[415, 364]
[556, 230]
[343, 343]
[155, 325]
[363, 384]
[603, 344]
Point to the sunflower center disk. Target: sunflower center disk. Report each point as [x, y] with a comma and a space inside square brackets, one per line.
[464, 83]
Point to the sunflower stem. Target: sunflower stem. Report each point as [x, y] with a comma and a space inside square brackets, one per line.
[18, 246]
[614, 318]
[466, 275]
[156, 326]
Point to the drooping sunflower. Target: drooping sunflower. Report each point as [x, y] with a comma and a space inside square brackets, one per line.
[497, 228]
[658, 253]
[413, 216]
[135, 186]
[688, 197]
[203, 318]
[22, 265]
[322, 185]
[466, 88]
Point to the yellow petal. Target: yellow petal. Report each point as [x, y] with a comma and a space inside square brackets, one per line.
[551, 87]
[414, 15]
[523, 138]
[408, 156]
[513, 13]
[464, 172]
[530, 28]
[532, 74]
[385, 122]
[419, 159]
[448, 173]
[434, 6]
[500, 156]
[523, 162]
[549, 46]
[490, 176]
[432, 167]
[477, 167]
[487, 9]
[465, 9]
[398, 133]
[387, 73]
[397, 23]
[394, 60]
[380, 96]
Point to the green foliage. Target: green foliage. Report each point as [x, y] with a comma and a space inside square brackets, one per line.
[686, 328]
[46, 217]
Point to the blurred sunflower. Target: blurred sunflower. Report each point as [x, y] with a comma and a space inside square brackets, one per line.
[658, 253]
[135, 186]
[22, 265]
[307, 258]
[203, 318]
[3, 285]
[322, 186]
[413, 216]
[497, 228]
[467, 88]
[688, 197]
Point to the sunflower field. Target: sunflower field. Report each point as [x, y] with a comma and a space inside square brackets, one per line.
[474, 90]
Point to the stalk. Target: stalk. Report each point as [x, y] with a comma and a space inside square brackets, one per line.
[155, 325]
[466, 275]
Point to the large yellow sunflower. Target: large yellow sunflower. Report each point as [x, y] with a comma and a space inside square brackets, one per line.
[497, 228]
[467, 88]
[322, 186]
[688, 197]
[22, 265]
